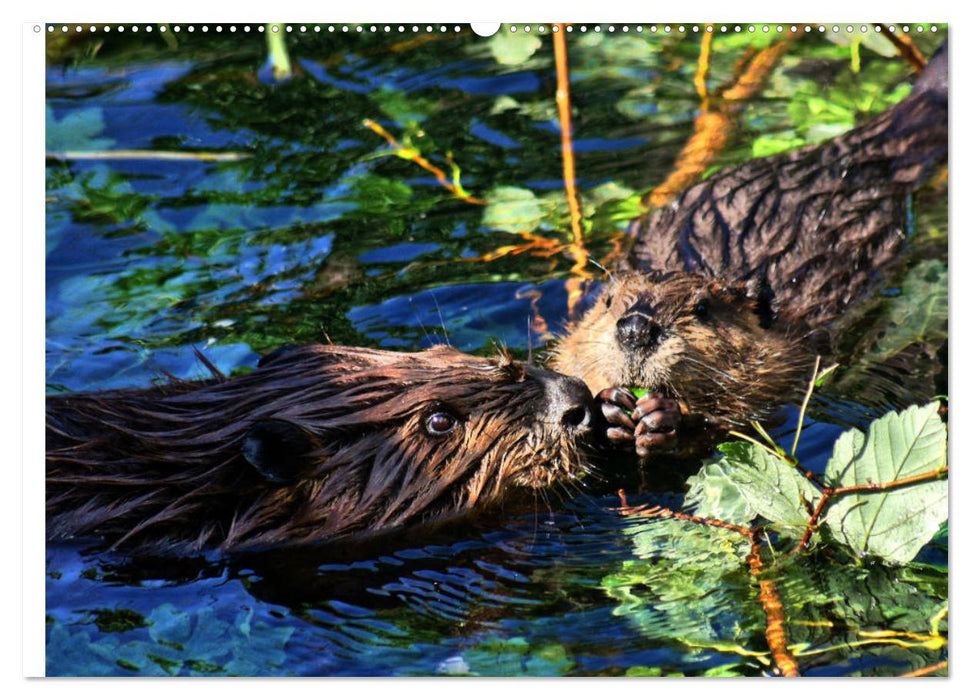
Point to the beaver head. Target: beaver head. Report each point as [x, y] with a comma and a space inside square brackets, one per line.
[717, 347]
[317, 443]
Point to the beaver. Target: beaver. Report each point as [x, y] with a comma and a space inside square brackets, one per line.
[318, 443]
[728, 294]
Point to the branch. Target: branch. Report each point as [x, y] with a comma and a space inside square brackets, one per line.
[775, 632]
[134, 154]
[905, 47]
[830, 493]
[577, 250]
[701, 74]
[714, 126]
[926, 671]
[455, 186]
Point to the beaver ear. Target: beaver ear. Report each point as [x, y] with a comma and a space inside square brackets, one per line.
[278, 449]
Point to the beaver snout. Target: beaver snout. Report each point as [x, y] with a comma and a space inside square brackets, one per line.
[569, 402]
[635, 330]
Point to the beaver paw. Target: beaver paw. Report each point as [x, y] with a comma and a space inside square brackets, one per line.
[650, 422]
[658, 418]
[617, 404]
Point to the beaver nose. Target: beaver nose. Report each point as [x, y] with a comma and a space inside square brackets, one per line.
[635, 330]
[569, 402]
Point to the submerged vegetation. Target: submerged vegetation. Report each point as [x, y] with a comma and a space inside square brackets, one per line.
[405, 190]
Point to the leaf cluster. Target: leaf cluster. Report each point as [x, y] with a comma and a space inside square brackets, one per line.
[749, 481]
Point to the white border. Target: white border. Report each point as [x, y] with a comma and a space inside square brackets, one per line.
[33, 350]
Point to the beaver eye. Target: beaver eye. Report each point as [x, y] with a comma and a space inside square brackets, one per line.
[608, 300]
[702, 311]
[440, 424]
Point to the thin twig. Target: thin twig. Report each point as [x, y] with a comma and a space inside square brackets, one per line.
[775, 632]
[805, 404]
[579, 253]
[830, 493]
[926, 671]
[406, 153]
[134, 154]
[905, 47]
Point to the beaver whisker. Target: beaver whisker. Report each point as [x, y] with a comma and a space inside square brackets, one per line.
[711, 369]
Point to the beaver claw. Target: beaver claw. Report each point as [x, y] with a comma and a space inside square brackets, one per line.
[658, 418]
[650, 422]
[616, 405]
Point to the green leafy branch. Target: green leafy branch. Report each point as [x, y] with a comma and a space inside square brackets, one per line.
[882, 494]
[410, 153]
[768, 592]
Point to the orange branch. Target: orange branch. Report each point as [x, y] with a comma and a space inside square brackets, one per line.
[905, 47]
[566, 131]
[455, 187]
[703, 64]
[750, 81]
[659, 512]
[830, 493]
[714, 126]
[926, 671]
[577, 249]
[775, 631]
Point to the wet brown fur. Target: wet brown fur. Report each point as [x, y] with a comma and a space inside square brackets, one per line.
[163, 469]
[779, 248]
[727, 368]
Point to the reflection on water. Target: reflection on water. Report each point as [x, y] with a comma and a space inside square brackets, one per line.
[290, 222]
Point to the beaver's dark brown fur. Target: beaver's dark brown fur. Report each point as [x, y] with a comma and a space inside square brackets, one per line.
[317, 443]
[729, 292]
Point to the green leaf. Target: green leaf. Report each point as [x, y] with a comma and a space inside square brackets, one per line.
[822, 113]
[539, 110]
[713, 494]
[607, 192]
[512, 209]
[747, 481]
[892, 525]
[685, 583]
[513, 48]
[376, 196]
[513, 656]
[876, 42]
[650, 672]
[405, 109]
[770, 144]
[117, 619]
[79, 130]
[825, 375]
[918, 313]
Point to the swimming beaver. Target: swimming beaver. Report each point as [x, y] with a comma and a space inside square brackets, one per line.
[729, 292]
[317, 443]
